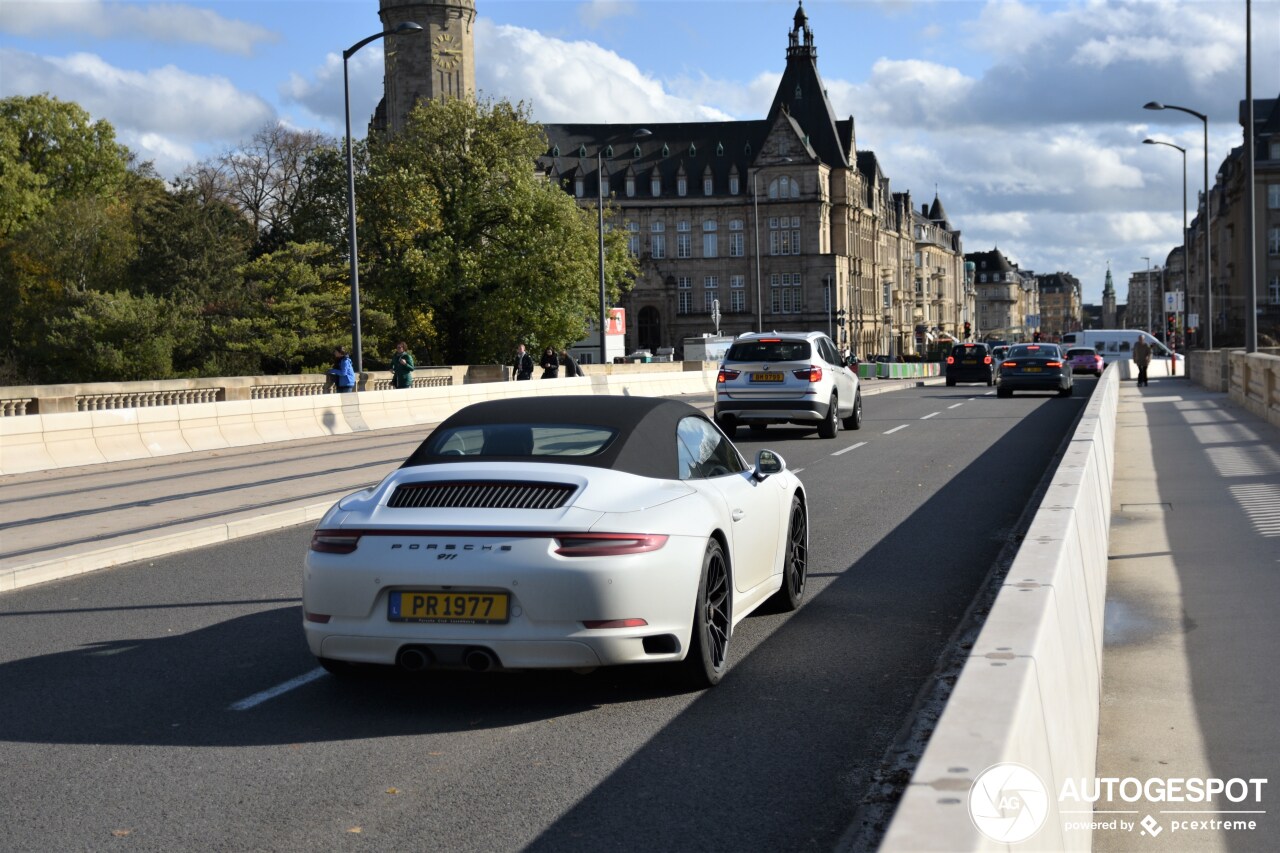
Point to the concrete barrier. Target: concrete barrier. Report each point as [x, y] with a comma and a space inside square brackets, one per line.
[1029, 691]
[43, 442]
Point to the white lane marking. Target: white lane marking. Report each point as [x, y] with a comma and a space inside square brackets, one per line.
[796, 470]
[850, 447]
[895, 429]
[956, 406]
[933, 415]
[259, 698]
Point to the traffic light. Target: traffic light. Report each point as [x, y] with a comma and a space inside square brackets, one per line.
[968, 329]
[1172, 324]
[1036, 336]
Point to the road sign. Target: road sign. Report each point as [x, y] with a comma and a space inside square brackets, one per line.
[1173, 300]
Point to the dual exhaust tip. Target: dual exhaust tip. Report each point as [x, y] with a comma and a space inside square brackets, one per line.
[420, 658]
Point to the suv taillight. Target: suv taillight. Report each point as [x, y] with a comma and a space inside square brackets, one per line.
[727, 375]
[812, 373]
[951, 359]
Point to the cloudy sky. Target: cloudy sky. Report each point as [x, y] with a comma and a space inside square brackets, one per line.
[1025, 116]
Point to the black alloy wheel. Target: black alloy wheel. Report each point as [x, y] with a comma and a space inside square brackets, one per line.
[795, 566]
[708, 654]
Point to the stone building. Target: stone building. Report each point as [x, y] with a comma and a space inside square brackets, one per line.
[1109, 313]
[1007, 306]
[781, 221]
[439, 62]
[1146, 299]
[1061, 304]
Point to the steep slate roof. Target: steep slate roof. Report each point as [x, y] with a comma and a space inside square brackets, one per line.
[937, 214]
[721, 146]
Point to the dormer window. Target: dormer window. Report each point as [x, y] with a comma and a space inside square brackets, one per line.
[655, 186]
[720, 149]
[707, 185]
[682, 186]
[582, 150]
[608, 152]
[579, 188]
[631, 186]
[734, 186]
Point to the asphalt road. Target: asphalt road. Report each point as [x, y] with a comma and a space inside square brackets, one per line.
[173, 706]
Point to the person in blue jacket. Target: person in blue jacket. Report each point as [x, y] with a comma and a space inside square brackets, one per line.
[341, 374]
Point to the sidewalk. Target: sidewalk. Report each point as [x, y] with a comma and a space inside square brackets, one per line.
[1190, 687]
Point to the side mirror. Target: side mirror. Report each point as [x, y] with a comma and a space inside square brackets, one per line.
[767, 464]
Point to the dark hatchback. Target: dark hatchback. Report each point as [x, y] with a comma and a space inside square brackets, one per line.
[970, 363]
[1034, 367]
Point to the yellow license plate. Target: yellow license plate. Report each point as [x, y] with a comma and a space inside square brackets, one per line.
[1030, 370]
[468, 608]
[766, 377]
[970, 361]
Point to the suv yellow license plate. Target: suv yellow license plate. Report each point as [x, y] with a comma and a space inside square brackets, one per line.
[767, 377]
[467, 608]
[1030, 370]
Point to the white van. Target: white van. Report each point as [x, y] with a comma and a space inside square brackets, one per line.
[1114, 344]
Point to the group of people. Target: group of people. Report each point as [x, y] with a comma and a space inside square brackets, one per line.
[551, 363]
[343, 376]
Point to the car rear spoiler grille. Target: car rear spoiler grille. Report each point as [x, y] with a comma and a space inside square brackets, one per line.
[481, 494]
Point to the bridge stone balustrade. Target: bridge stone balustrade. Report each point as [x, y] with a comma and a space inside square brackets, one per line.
[54, 439]
[1252, 380]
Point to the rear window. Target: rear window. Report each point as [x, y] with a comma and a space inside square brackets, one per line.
[521, 440]
[770, 349]
[1072, 353]
[969, 351]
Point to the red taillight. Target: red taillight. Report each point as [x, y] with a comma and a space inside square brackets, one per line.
[812, 373]
[727, 375]
[1009, 364]
[334, 541]
[607, 544]
[322, 618]
[950, 360]
[1054, 364]
[987, 360]
[615, 623]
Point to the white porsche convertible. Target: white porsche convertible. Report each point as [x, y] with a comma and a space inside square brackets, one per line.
[558, 532]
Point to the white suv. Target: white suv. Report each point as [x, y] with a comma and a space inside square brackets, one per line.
[787, 377]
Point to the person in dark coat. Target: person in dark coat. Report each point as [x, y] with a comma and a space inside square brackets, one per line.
[570, 365]
[550, 364]
[523, 368]
[402, 367]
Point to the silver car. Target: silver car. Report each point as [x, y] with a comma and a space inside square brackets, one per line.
[787, 378]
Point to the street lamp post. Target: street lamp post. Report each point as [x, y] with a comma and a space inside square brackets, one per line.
[755, 215]
[1146, 292]
[604, 310]
[356, 359]
[1208, 264]
[1186, 250]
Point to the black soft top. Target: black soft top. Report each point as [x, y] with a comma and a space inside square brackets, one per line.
[645, 443]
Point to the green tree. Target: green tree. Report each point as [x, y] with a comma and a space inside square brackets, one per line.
[52, 150]
[116, 337]
[461, 234]
[294, 309]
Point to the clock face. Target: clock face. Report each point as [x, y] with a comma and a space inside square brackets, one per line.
[448, 53]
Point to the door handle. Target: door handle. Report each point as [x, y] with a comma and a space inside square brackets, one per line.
[737, 514]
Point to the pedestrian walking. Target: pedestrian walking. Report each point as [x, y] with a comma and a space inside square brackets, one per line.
[341, 374]
[402, 367]
[523, 368]
[570, 365]
[1142, 358]
[550, 364]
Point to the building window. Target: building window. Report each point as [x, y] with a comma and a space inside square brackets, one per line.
[1273, 196]
[684, 240]
[737, 294]
[784, 187]
[785, 293]
[684, 295]
[1273, 241]
[710, 292]
[737, 240]
[1273, 290]
[682, 186]
[1275, 151]
[578, 187]
[633, 239]
[658, 239]
[631, 186]
[734, 186]
[710, 247]
[706, 185]
[655, 186]
[784, 235]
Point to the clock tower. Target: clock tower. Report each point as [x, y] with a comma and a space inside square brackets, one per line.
[439, 62]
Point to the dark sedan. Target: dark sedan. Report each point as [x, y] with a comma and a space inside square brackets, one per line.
[1034, 367]
[970, 363]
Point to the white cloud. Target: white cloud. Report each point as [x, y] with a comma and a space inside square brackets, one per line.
[171, 23]
[593, 13]
[163, 112]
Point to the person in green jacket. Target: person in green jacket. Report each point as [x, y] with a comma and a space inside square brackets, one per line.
[402, 367]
